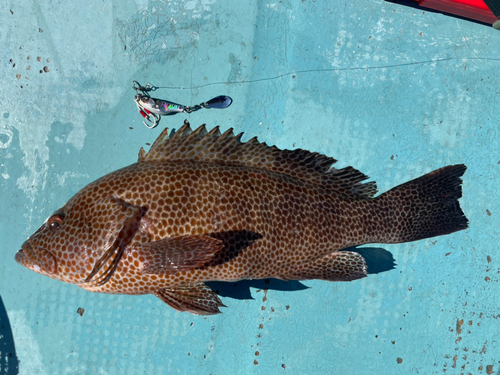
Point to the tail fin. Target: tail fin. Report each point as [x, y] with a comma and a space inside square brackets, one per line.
[422, 208]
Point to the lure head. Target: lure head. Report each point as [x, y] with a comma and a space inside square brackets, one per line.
[144, 101]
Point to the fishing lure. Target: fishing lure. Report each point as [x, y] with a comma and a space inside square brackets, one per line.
[152, 109]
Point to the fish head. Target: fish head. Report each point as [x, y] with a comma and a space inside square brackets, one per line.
[74, 238]
[40, 251]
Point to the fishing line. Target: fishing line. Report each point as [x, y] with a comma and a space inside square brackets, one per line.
[323, 71]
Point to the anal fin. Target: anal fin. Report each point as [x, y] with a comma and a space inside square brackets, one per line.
[196, 299]
[337, 266]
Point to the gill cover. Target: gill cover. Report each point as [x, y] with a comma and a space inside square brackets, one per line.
[118, 221]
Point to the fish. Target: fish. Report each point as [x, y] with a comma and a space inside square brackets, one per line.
[203, 206]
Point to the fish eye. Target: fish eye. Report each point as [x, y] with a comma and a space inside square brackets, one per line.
[55, 222]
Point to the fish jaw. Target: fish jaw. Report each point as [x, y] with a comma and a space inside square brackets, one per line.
[39, 260]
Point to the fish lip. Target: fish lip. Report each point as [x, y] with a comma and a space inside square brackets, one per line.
[24, 259]
[20, 256]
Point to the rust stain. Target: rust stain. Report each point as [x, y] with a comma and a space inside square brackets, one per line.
[483, 350]
[458, 340]
[459, 326]
[489, 369]
[265, 296]
[488, 212]
[454, 365]
[470, 322]
[488, 258]
[399, 360]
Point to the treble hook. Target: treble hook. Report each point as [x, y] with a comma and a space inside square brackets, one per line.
[147, 114]
[156, 118]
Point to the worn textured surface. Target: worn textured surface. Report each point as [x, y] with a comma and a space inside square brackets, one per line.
[393, 91]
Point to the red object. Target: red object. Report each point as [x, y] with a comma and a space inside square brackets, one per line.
[143, 114]
[145, 110]
[474, 9]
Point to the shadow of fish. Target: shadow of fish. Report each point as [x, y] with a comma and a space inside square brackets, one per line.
[202, 206]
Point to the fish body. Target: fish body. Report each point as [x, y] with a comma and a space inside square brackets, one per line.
[202, 206]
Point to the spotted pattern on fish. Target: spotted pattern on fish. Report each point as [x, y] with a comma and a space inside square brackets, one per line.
[203, 206]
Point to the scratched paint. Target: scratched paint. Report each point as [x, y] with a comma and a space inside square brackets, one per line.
[390, 90]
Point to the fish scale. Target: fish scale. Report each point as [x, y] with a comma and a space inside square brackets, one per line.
[203, 206]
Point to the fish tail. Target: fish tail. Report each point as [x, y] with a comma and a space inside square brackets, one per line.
[425, 207]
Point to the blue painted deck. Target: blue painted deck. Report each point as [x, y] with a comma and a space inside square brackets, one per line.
[391, 90]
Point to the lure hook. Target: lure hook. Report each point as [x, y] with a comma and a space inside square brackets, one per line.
[147, 115]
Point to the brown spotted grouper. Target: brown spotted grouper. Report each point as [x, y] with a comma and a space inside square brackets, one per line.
[203, 206]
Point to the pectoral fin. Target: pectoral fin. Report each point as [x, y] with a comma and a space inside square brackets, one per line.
[196, 299]
[175, 254]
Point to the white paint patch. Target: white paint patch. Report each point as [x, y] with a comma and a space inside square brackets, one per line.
[362, 315]
[190, 5]
[78, 369]
[5, 175]
[36, 154]
[141, 5]
[196, 8]
[81, 66]
[447, 123]
[354, 135]
[61, 179]
[5, 143]
[27, 348]
[77, 135]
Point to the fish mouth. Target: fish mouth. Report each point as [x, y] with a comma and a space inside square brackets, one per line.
[21, 257]
[36, 259]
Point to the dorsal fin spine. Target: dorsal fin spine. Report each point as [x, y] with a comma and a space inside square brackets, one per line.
[212, 146]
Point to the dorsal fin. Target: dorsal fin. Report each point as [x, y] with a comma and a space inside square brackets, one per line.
[214, 146]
